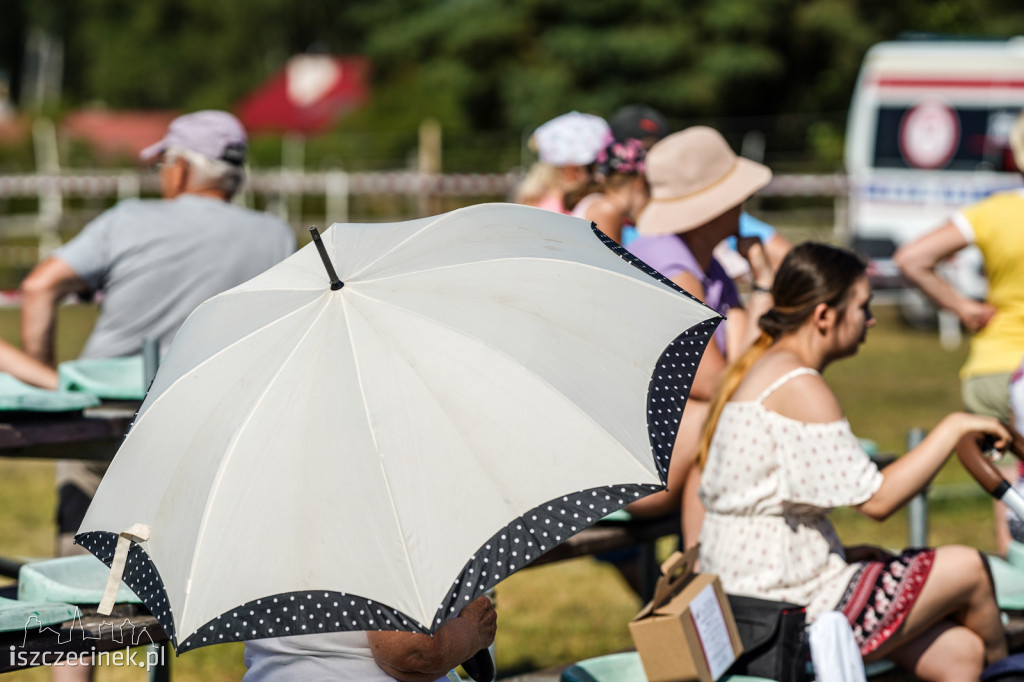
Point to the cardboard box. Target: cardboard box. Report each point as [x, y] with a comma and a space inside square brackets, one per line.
[687, 632]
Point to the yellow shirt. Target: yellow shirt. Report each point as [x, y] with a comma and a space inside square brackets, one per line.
[998, 227]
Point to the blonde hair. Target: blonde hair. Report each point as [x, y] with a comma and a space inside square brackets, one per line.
[733, 376]
[540, 179]
[811, 273]
[1017, 142]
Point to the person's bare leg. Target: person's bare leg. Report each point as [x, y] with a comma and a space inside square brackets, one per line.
[944, 652]
[693, 509]
[1009, 472]
[683, 452]
[1002, 528]
[71, 673]
[959, 589]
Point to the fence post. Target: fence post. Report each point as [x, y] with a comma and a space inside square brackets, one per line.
[428, 165]
[336, 203]
[128, 185]
[51, 199]
[917, 509]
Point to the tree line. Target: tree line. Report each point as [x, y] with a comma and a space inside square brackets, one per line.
[493, 69]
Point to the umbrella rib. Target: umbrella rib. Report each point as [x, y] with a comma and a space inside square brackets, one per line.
[389, 251]
[231, 448]
[499, 351]
[218, 354]
[376, 446]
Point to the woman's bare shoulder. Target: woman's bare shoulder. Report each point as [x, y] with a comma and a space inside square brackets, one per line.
[763, 372]
[805, 397]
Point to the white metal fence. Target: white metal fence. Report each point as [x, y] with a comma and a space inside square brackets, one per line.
[42, 221]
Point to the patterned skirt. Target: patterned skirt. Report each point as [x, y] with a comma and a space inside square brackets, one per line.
[881, 593]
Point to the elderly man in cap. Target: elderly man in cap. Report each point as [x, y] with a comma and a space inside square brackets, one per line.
[155, 261]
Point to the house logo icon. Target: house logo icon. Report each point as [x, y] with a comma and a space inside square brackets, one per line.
[125, 633]
[49, 644]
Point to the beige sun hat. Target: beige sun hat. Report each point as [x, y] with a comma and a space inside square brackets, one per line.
[694, 177]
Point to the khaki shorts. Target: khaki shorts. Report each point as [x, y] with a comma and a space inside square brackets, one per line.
[988, 394]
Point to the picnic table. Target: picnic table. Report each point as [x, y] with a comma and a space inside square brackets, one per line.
[90, 434]
[90, 634]
[93, 433]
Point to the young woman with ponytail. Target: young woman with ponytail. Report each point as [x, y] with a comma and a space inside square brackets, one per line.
[777, 455]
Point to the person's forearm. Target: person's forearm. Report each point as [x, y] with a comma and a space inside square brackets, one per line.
[420, 657]
[407, 676]
[909, 474]
[743, 329]
[709, 373]
[934, 286]
[758, 303]
[38, 323]
[25, 368]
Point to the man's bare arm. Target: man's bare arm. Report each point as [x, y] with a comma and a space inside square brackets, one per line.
[42, 290]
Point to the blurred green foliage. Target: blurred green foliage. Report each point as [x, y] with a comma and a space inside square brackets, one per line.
[496, 68]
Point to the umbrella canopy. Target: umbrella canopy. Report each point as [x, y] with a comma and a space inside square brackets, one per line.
[485, 384]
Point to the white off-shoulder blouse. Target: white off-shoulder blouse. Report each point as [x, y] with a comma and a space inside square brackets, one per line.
[768, 486]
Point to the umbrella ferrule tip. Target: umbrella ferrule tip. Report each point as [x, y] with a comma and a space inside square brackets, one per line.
[337, 285]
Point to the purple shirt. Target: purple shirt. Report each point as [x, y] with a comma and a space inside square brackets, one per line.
[669, 255]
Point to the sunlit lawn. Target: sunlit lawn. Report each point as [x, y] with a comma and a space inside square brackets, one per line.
[557, 614]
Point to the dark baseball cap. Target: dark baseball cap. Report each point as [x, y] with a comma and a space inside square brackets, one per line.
[637, 121]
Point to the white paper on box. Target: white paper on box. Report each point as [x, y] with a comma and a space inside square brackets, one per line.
[709, 621]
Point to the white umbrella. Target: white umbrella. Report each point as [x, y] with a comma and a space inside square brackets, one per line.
[376, 455]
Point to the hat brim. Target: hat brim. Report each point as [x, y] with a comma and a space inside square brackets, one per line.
[673, 216]
[153, 150]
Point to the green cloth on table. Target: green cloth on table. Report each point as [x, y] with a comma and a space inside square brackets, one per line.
[1009, 580]
[16, 615]
[1015, 554]
[74, 579]
[16, 396]
[618, 516]
[110, 378]
[624, 667]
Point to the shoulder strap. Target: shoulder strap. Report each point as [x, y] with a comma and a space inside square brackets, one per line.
[791, 374]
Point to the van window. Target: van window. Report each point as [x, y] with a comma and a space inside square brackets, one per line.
[961, 139]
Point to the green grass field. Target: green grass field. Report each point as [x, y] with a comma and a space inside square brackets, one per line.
[564, 612]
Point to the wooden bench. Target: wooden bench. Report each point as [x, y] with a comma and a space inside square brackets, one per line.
[608, 536]
[94, 434]
[128, 625]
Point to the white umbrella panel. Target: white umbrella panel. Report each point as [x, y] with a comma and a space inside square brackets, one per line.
[478, 387]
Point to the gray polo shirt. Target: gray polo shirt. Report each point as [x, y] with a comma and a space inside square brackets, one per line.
[157, 260]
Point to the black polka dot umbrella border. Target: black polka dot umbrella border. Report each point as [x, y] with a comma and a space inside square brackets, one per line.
[673, 375]
[508, 550]
[316, 610]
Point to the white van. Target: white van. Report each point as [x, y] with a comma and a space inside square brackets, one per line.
[927, 134]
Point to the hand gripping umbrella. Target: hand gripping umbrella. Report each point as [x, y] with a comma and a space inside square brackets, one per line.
[374, 450]
[970, 451]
